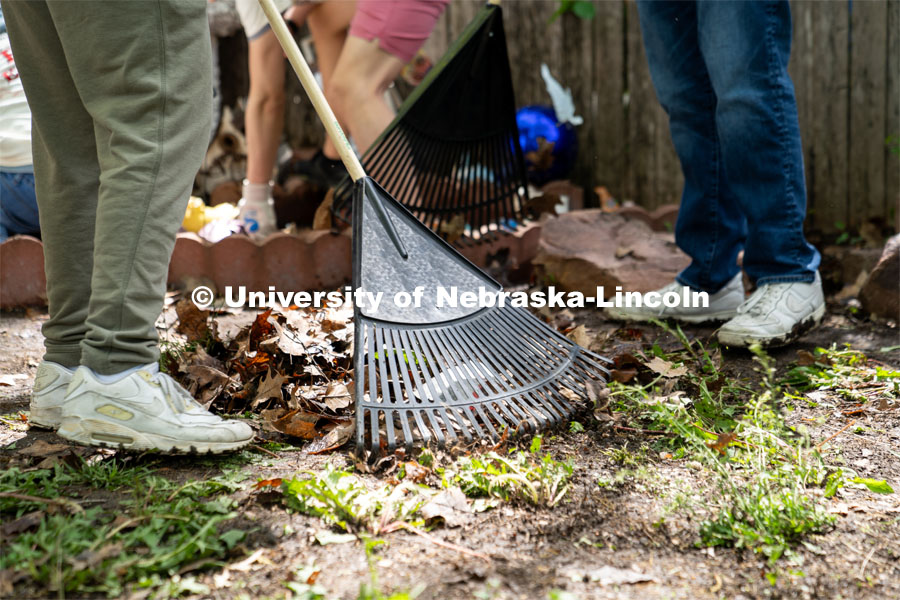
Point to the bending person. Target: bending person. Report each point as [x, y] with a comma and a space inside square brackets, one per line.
[264, 120]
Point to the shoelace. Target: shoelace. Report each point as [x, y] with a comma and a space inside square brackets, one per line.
[761, 301]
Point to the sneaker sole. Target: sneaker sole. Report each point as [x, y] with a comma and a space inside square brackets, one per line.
[744, 341]
[93, 432]
[45, 418]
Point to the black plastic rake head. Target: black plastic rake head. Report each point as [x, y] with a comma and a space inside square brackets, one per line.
[439, 372]
[452, 154]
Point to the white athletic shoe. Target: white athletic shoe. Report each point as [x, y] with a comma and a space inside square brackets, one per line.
[775, 314]
[50, 385]
[145, 411]
[723, 305]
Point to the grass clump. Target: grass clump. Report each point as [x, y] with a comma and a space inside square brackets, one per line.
[141, 541]
[343, 500]
[523, 476]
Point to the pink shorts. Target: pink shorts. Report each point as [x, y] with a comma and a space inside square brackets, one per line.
[400, 26]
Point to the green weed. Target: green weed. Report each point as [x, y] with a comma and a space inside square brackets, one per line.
[143, 541]
[519, 475]
[343, 500]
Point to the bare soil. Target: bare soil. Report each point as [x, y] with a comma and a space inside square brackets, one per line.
[535, 550]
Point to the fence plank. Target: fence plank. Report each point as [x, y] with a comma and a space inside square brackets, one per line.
[653, 172]
[868, 45]
[891, 210]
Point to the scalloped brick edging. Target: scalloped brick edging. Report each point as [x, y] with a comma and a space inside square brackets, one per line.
[308, 260]
[22, 281]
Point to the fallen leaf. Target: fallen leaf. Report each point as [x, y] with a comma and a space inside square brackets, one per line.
[666, 368]
[12, 379]
[450, 506]
[337, 396]
[415, 472]
[332, 440]
[267, 483]
[579, 335]
[622, 375]
[210, 382]
[545, 203]
[244, 565]
[42, 448]
[222, 580]
[623, 251]
[722, 442]
[269, 387]
[192, 321]
[23, 523]
[88, 559]
[569, 394]
[261, 329]
[297, 423]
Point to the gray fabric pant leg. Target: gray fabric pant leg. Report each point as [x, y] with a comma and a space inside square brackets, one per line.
[120, 99]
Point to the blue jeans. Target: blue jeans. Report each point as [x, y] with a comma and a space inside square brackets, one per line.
[720, 73]
[18, 206]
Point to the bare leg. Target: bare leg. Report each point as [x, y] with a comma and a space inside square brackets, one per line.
[265, 106]
[328, 22]
[363, 74]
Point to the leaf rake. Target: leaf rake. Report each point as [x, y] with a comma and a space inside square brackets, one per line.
[452, 154]
[427, 367]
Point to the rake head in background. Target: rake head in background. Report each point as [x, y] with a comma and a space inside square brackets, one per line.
[447, 373]
[452, 154]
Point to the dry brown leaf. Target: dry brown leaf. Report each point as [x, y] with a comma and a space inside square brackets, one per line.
[666, 368]
[622, 375]
[322, 218]
[415, 472]
[623, 251]
[269, 387]
[580, 336]
[333, 440]
[298, 424]
[570, 395]
[722, 442]
[192, 321]
[23, 523]
[42, 448]
[337, 396]
[450, 506]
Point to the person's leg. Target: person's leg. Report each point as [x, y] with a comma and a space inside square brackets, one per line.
[264, 119]
[142, 71]
[746, 46]
[384, 36]
[710, 226]
[18, 205]
[67, 175]
[363, 74]
[328, 23]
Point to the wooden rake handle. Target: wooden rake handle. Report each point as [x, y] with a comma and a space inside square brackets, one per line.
[281, 31]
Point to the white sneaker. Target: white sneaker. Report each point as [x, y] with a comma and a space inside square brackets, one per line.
[775, 314]
[256, 209]
[723, 305]
[50, 385]
[145, 411]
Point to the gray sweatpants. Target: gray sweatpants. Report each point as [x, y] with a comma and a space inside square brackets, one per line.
[120, 94]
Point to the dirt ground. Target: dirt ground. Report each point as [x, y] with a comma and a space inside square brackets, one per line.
[533, 552]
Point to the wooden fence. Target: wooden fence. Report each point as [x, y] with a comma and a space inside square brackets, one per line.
[846, 70]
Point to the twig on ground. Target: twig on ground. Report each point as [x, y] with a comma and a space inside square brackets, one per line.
[442, 543]
[264, 451]
[834, 435]
[72, 506]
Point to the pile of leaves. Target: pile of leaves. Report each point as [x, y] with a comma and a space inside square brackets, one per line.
[290, 369]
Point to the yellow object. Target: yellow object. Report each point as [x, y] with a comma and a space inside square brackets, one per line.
[199, 214]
